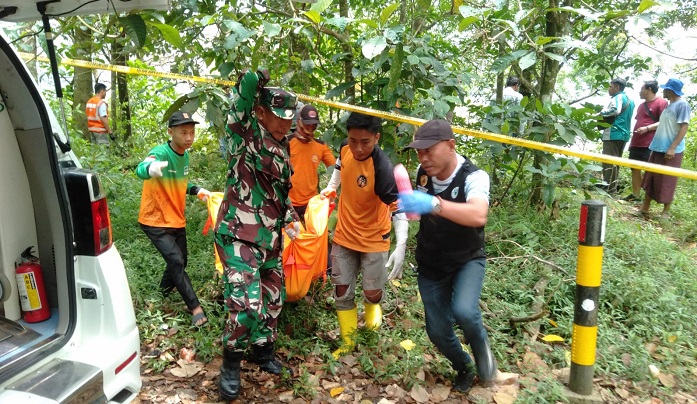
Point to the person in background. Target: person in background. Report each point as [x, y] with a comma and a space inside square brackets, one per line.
[362, 235]
[306, 153]
[254, 211]
[619, 113]
[165, 172]
[510, 92]
[452, 197]
[647, 116]
[667, 148]
[98, 117]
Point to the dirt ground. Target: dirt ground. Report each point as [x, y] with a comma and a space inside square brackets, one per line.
[195, 382]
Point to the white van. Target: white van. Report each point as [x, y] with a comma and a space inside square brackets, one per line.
[88, 349]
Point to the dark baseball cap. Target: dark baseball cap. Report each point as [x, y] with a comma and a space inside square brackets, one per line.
[430, 133]
[281, 102]
[309, 115]
[180, 118]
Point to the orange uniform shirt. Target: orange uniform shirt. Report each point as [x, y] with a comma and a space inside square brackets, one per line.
[164, 199]
[94, 122]
[368, 196]
[305, 159]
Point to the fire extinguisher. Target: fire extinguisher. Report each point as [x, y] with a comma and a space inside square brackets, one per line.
[30, 285]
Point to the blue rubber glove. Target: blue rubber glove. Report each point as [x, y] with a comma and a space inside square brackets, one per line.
[416, 202]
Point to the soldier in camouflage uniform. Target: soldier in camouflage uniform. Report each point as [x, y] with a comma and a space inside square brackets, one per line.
[255, 209]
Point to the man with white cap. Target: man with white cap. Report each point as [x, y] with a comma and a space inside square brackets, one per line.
[452, 197]
[667, 148]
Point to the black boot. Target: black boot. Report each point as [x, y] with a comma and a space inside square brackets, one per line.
[229, 384]
[464, 379]
[265, 357]
[485, 361]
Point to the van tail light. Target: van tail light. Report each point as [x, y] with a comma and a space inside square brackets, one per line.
[89, 211]
[101, 226]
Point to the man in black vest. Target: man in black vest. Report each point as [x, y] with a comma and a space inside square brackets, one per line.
[452, 197]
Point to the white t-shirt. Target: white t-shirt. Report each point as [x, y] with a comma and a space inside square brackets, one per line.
[511, 95]
[476, 184]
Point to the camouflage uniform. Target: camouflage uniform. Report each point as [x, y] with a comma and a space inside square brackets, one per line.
[254, 210]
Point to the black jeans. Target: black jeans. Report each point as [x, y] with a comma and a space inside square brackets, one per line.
[171, 243]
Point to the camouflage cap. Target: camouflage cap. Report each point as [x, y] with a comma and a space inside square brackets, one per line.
[281, 102]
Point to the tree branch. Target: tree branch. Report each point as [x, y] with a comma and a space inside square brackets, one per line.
[662, 52]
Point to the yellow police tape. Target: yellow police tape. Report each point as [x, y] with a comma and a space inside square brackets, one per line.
[530, 144]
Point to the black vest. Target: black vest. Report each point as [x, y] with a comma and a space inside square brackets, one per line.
[443, 246]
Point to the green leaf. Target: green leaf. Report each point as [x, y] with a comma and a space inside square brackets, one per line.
[313, 16]
[307, 65]
[321, 5]
[386, 13]
[176, 106]
[506, 127]
[514, 27]
[442, 108]
[338, 90]
[225, 69]
[135, 28]
[646, 4]
[561, 130]
[466, 22]
[271, 29]
[528, 60]
[582, 11]
[548, 194]
[239, 29]
[370, 23]
[541, 40]
[554, 56]
[503, 62]
[339, 22]
[413, 59]
[571, 43]
[170, 34]
[374, 46]
[467, 11]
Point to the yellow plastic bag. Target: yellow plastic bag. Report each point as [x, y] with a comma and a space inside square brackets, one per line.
[213, 204]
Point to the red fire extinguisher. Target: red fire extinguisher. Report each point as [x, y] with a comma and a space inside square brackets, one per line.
[30, 284]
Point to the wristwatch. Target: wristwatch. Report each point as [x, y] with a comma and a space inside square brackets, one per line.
[436, 205]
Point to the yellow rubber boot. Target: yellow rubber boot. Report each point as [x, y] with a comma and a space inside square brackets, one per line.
[373, 315]
[348, 323]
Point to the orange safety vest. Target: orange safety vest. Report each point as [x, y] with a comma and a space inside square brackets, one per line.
[94, 123]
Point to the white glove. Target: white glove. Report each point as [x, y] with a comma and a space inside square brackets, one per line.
[401, 231]
[203, 194]
[293, 230]
[155, 168]
[333, 184]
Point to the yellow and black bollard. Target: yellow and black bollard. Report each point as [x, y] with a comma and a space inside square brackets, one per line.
[591, 234]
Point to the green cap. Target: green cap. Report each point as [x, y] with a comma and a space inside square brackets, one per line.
[280, 101]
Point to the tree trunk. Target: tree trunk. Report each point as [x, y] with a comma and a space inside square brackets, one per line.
[82, 79]
[122, 109]
[557, 25]
[348, 59]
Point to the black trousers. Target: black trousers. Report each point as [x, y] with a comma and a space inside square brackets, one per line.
[171, 243]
